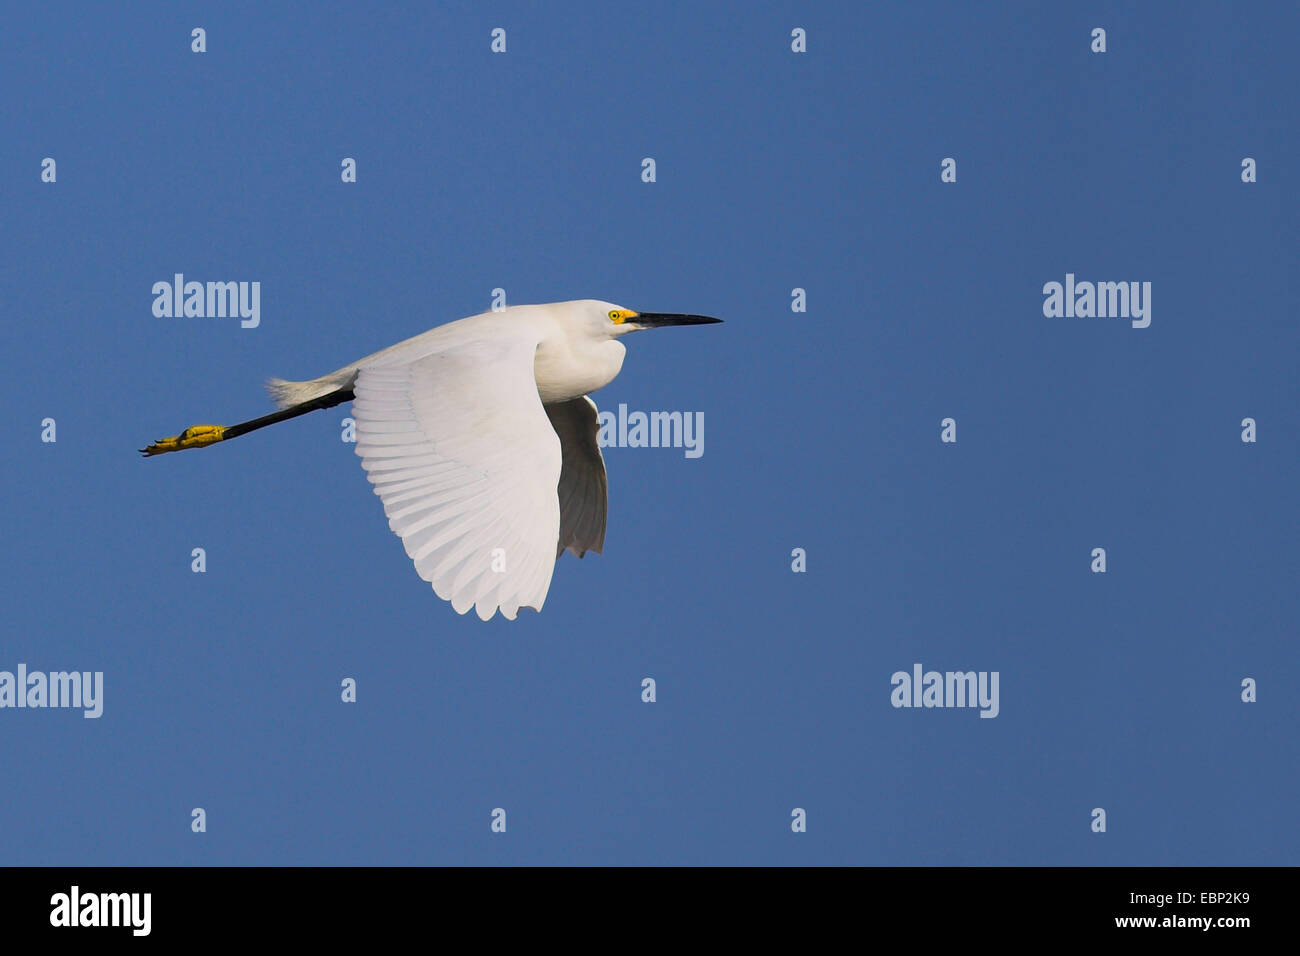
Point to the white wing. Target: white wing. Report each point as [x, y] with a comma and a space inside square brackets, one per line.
[466, 463]
[583, 490]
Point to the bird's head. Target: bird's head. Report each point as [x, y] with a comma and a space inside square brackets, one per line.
[613, 321]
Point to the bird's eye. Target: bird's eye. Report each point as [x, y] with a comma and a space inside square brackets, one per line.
[615, 315]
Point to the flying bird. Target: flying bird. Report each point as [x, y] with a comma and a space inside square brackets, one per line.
[480, 439]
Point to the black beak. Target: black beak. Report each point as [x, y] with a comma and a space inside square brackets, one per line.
[657, 320]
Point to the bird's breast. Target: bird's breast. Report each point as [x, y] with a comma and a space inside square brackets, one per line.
[564, 372]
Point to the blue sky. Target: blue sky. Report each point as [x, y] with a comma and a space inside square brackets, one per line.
[775, 170]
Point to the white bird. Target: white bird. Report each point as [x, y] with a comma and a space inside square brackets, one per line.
[480, 440]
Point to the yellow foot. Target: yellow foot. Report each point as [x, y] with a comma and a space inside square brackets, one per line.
[196, 436]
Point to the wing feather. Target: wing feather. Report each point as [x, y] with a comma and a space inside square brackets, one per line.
[462, 454]
[583, 490]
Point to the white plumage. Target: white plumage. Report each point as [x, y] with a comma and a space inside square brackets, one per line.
[480, 441]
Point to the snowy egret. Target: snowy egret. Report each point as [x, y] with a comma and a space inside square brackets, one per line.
[480, 440]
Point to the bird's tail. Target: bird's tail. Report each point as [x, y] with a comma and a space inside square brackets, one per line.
[286, 394]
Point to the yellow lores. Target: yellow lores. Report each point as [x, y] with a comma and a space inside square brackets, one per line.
[619, 316]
